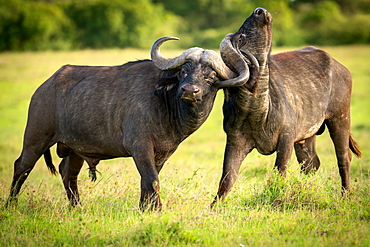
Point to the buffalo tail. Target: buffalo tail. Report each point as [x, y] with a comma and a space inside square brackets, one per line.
[49, 162]
[354, 147]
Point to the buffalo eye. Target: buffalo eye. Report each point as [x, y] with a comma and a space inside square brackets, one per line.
[211, 78]
[241, 40]
[183, 73]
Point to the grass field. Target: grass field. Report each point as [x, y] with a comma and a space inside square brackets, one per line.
[261, 210]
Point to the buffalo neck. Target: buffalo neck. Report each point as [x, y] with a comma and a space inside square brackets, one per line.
[250, 107]
[186, 118]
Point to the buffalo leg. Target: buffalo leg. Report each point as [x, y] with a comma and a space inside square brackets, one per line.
[23, 166]
[284, 153]
[149, 199]
[234, 156]
[69, 169]
[339, 133]
[161, 159]
[38, 137]
[306, 155]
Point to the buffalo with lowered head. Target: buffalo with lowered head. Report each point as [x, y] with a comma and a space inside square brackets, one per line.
[141, 109]
[288, 99]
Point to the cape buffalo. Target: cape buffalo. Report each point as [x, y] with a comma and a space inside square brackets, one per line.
[141, 109]
[289, 99]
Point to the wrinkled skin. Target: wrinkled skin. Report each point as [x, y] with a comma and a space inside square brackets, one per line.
[134, 110]
[289, 99]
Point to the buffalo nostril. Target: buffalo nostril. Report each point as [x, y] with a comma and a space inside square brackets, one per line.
[190, 88]
[190, 93]
[259, 11]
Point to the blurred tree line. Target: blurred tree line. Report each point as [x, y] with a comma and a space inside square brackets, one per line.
[79, 24]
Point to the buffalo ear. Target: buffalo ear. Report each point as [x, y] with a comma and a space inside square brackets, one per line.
[167, 86]
[167, 81]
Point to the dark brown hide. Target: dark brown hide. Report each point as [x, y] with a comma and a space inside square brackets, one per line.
[102, 112]
[296, 94]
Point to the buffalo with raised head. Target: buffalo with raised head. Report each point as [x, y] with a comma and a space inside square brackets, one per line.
[141, 109]
[289, 99]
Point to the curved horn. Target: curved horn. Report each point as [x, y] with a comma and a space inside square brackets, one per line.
[218, 64]
[166, 64]
[235, 60]
[252, 58]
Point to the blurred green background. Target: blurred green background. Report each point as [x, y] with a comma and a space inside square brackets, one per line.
[97, 24]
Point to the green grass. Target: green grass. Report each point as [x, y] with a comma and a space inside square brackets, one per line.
[261, 210]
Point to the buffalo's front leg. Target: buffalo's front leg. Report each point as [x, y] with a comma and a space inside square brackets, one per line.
[284, 152]
[234, 156]
[149, 199]
[306, 155]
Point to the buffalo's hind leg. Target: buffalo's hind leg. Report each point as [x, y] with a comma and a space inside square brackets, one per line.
[69, 168]
[38, 137]
[23, 166]
[306, 155]
[339, 133]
